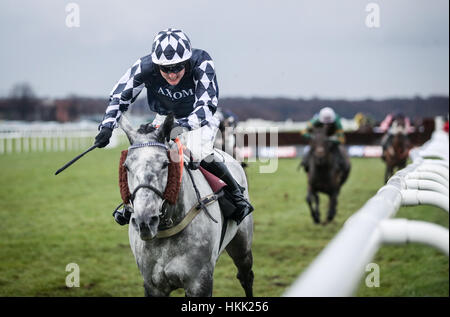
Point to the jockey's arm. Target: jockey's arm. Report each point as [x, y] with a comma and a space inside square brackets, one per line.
[206, 96]
[123, 95]
[386, 123]
[339, 136]
[306, 133]
[408, 126]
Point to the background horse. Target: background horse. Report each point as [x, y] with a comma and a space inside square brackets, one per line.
[396, 153]
[187, 259]
[324, 173]
[225, 139]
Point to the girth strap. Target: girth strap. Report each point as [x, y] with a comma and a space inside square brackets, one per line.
[188, 217]
[200, 202]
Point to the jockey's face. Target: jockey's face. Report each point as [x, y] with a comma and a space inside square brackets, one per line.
[173, 78]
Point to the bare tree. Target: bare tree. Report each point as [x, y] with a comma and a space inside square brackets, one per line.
[23, 99]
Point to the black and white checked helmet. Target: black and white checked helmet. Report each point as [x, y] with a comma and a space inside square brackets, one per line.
[171, 46]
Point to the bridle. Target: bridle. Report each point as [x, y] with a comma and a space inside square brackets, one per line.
[162, 212]
[148, 186]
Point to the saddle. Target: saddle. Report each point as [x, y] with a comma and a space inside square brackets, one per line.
[214, 182]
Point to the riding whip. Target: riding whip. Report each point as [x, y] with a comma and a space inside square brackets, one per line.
[76, 159]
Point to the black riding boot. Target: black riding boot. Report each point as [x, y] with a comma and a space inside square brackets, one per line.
[243, 206]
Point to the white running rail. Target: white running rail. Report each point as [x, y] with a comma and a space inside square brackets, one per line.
[338, 269]
[19, 137]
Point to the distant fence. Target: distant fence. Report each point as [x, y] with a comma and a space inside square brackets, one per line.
[292, 151]
[48, 137]
[338, 269]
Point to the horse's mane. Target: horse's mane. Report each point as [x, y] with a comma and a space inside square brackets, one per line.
[146, 128]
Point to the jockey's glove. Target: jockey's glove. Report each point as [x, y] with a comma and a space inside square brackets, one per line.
[102, 138]
[333, 139]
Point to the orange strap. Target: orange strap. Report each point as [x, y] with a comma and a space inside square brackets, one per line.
[180, 155]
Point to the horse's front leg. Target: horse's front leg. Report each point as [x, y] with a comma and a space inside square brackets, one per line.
[153, 291]
[202, 284]
[402, 164]
[388, 173]
[313, 201]
[332, 206]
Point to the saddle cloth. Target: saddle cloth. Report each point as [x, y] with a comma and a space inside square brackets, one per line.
[214, 182]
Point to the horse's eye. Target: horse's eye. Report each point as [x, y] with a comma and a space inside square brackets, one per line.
[165, 164]
[126, 167]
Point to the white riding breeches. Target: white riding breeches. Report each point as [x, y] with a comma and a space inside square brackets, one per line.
[200, 141]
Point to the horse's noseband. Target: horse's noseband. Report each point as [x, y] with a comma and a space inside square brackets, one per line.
[152, 188]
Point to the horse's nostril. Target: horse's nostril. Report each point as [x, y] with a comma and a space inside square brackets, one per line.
[142, 226]
[154, 220]
[145, 226]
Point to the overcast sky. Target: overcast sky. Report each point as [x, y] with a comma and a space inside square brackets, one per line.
[263, 48]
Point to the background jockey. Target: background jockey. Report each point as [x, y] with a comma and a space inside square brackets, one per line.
[227, 117]
[335, 132]
[393, 124]
[179, 80]
[226, 138]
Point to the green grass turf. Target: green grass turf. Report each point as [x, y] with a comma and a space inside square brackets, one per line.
[47, 222]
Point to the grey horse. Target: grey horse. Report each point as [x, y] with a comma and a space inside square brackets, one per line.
[187, 259]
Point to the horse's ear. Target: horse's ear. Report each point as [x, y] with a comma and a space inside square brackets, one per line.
[164, 130]
[126, 126]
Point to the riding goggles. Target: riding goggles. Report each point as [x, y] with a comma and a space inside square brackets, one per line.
[175, 68]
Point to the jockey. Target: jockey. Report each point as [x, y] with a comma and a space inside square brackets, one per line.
[391, 125]
[332, 121]
[227, 118]
[179, 80]
[226, 139]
